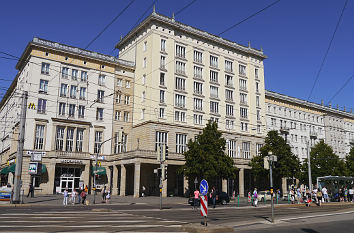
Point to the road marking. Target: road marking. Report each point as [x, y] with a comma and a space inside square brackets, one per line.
[319, 215]
[117, 221]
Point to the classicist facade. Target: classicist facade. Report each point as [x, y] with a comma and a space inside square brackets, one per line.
[304, 123]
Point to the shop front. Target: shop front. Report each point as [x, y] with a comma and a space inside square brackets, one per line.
[69, 175]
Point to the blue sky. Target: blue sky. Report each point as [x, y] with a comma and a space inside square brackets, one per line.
[293, 34]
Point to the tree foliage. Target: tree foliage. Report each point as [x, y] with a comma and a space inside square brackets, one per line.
[323, 163]
[349, 162]
[288, 165]
[205, 157]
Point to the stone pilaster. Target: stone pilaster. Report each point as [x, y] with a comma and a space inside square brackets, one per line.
[51, 178]
[224, 186]
[137, 167]
[241, 180]
[115, 180]
[123, 174]
[164, 188]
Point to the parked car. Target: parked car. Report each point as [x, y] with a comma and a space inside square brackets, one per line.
[261, 195]
[221, 198]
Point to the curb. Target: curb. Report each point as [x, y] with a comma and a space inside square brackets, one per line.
[211, 228]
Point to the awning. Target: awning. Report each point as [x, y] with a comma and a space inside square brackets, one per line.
[12, 168]
[44, 169]
[100, 171]
[4, 170]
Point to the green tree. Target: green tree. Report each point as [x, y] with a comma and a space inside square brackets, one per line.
[288, 165]
[349, 162]
[323, 163]
[205, 157]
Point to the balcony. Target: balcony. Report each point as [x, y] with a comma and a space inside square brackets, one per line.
[284, 130]
[313, 134]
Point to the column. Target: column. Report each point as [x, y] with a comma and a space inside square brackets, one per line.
[241, 180]
[284, 187]
[51, 178]
[108, 185]
[85, 175]
[123, 174]
[115, 180]
[224, 185]
[185, 185]
[137, 167]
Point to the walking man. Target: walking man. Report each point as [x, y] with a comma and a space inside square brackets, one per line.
[255, 197]
[30, 190]
[213, 196]
[325, 194]
[73, 197]
[66, 196]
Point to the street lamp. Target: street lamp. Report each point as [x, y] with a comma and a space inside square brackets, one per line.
[312, 136]
[271, 159]
[94, 177]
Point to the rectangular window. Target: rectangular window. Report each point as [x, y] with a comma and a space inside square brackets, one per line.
[258, 149]
[181, 143]
[126, 116]
[228, 66]
[65, 72]
[231, 148]
[257, 101]
[145, 46]
[180, 67]
[119, 82]
[81, 113]
[214, 92]
[160, 139]
[180, 51]
[180, 84]
[42, 106]
[71, 110]
[144, 62]
[45, 68]
[99, 114]
[82, 93]
[162, 96]
[229, 94]
[162, 79]
[180, 101]
[229, 124]
[214, 76]
[126, 99]
[256, 71]
[228, 81]
[59, 141]
[83, 76]
[43, 86]
[244, 113]
[163, 62]
[229, 110]
[198, 104]
[117, 115]
[74, 74]
[214, 107]
[79, 139]
[198, 119]
[63, 90]
[62, 109]
[198, 88]
[163, 45]
[258, 115]
[258, 128]
[243, 98]
[257, 87]
[244, 126]
[98, 141]
[101, 79]
[213, 61]
[198, 56]
[242, 69]
[118, 98]
[246, 150]
[69, 139]
[127, 84]
[162, 113]
[100, 96]
[120, 144]
[243, 84]
[39, 138]
[180, 116]
[198, 72]
[73, 90]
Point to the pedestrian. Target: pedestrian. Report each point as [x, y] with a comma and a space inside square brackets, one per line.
[292, 196]
[255, 197]
[108, 197]
[213, 196]
[83, 196]
[143, 189]
[79, 195]
[319, 196]
[345, 194]
[325, 194]
[66, 196]
[30, 190]
[86, 189]
[351, 193]
[104, 194]
[73, 197]
[196, 198]
[298, 194]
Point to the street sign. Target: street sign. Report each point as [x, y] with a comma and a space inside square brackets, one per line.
[204, 206]
[266, 162]
[203, 187]
[33, 168]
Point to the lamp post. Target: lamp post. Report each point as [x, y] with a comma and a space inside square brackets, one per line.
[94, 176]
[312, 136]
[271, 159]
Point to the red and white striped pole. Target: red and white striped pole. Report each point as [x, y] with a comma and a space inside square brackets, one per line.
[204, 208]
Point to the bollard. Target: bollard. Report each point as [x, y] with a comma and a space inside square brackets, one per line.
[277, 198]
[251, 200]
[288, 198]
[238, 200]
[264, 199]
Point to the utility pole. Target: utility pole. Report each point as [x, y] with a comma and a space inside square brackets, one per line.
[18, 171]
[309, 166]
[268, 164]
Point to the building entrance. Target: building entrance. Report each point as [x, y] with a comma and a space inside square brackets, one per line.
[67, 178]
[67, 183]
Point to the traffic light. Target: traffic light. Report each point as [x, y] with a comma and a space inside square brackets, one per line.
[166, 152]
[159, 172]
[164, 173]
[158, 153]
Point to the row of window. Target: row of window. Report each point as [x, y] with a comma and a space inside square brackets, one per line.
[292, 113]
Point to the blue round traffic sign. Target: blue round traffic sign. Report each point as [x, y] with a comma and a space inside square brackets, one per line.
[203, 187]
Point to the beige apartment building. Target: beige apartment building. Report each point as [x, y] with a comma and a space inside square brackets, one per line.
[183, 78]
[71, 103]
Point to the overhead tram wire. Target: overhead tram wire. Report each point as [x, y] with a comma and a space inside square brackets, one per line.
[227, 29]
[341, 88]
[327, 51]
[185, 7]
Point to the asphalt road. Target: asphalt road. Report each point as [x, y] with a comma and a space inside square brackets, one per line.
[144, 217]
